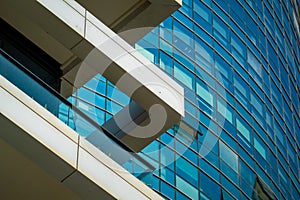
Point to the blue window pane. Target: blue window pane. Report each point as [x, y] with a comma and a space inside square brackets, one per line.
[225, 110]
[186, 188]
[166, 47]
[245, 155]
[229, 172]
[230, 187]
[204, 55]
[181, 196]
[152, 149]
[186, 8]
[251, 28]
[241, 90]
[257, 103]
[87, 95]
[166, 34]
[203, 11]
[208, 187]
[166, 62]
[187, 171]
[147, 50]
[167, 23]
[205, 93]
[228, 138]
[226, 195]
[209, 169]
[112, 107]
[155, 183]
[183, 19]
[243, 128]
[261, 152]
[184, 76]
[96, 85]
[254, 63]
[167, 190]
[167, 139]
[228, 156]
[183, 33]
[191, 156]
[221, 31]
[118, 96]
[205, 76]
[238, 45]
[204, 34]
[167, 156]
[183, 59]
[167, 175]
[246, 173]
[224, 69]
[151, 38]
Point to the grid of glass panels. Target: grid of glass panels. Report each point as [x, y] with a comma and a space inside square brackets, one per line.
[238, 61]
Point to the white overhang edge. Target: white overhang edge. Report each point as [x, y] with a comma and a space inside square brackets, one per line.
[82, 156]
[103, 38]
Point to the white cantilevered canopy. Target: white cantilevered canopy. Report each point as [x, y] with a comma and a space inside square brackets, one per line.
[153, 90]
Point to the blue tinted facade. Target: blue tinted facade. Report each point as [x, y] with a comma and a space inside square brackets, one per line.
[238, 61]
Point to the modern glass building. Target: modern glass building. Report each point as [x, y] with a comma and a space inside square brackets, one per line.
[239, 62]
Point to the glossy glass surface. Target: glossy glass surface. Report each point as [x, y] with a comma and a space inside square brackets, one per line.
[239, 63]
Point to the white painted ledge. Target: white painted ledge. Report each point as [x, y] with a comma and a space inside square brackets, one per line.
[83, 164]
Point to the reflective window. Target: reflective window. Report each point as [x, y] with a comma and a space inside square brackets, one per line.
[254, 63]
[150, 52]
[183, 75]
[167, 156]
[224, 72]
[202, 10]
[228, 156]
[241, 90]
[246, 173]
[257, 103]
[204, 55]
[205, 93]
[221, 31]
[181, 196]
[118, 96]
[237, 13]
[166, 62]
[260, 147]
[209, 189]
[225, 110]
[238, 48]
[167, 190]
[244, 130]
[183, 59]
[183, 34]
[186, 188]
[97, 85]
[251, 28]
[167, 175]
[187, 171]
[230, 186]
[113, 107]
[209, 169]
[166, 47]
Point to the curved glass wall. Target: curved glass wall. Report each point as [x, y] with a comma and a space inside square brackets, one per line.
[239, 63]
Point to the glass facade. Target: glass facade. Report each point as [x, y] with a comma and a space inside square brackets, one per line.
[238, 61]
